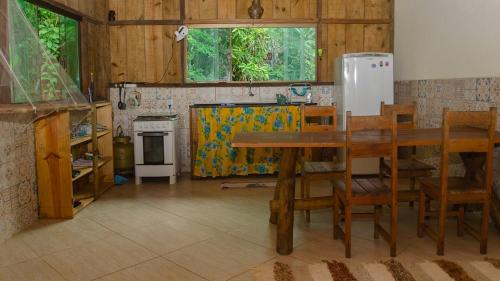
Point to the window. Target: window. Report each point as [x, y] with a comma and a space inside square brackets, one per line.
[255, 54]
[59, 36]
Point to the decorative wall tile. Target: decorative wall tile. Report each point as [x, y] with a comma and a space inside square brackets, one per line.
[18, 192]
[483, 89]
[154, 100]
[432, 96]
[236, 94]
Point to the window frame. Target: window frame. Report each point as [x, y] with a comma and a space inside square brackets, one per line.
[245, 83]
[62, 12]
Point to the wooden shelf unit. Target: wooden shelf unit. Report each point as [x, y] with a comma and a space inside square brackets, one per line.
[57, 189]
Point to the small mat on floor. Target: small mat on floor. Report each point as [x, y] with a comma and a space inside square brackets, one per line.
[331, 270]
[248, 184]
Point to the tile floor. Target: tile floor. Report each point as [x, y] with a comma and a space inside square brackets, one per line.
[195, 231]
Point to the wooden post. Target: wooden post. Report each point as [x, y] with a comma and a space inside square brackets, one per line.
[286, 183]
[4, 46]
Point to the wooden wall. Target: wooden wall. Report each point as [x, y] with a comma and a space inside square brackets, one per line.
[141, 39]
[141, 53]
[94, 37]
[4, 77]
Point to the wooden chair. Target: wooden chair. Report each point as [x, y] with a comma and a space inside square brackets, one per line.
[408, 166]
[367, 191]
[312, 120]
[459, 191]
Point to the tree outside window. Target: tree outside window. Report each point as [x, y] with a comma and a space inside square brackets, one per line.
[255, 54]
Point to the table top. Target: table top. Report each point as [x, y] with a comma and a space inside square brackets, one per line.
[406, 137]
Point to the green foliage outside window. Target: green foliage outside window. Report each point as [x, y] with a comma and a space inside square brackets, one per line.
[59, 37]
[251, 54]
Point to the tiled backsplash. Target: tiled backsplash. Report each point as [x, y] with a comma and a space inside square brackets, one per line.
[154, 101]
[18, 193]
[431, 96]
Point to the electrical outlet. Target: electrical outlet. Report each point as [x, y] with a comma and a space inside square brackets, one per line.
[170, 103]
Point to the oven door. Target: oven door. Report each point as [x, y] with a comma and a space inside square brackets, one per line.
[153, 148]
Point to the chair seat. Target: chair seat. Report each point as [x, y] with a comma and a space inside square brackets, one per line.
[459, 189]
[323, 167]
[373, 189]
[455, 185]
[410, 165]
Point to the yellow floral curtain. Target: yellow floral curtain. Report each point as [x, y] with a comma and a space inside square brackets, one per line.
[217, 127]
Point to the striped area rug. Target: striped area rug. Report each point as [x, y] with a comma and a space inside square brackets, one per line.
[389, 270]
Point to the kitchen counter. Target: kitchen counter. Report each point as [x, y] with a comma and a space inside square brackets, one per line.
[246, 104]
[213, 127]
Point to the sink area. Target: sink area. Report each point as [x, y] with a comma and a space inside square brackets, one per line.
[242, 104]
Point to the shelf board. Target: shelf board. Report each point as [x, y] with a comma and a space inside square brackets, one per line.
[83, 195]
[105, 161]
[103, 133]
[84, 203]
[77, 141]
[104, 186]
[83, 172]
[102, 103]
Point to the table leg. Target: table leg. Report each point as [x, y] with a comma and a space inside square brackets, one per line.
[474, 163]
[286, 191]
[273, 218]
[474, 171]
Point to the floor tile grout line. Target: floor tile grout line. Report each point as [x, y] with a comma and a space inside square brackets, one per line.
[57, 271]
[197, 274]
[165, 256]
[127, 267]
[172, 261]
[155, 255]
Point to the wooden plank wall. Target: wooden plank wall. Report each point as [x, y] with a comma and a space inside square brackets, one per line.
[352, 26]
[4, 77]
[141, 53]
[141, 39]
[95, 44]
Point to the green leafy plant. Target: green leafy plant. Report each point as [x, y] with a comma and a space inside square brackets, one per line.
[58, 36]
[251, 54]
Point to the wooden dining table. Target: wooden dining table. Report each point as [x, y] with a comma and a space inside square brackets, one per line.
[284, 203]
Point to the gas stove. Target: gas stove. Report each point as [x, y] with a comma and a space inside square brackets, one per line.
[155, 123]
[155, 147]
[170, 117]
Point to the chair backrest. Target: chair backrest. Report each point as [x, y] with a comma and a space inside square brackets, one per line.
[456, 140]
[317, 119]
[406, 116]
[371, 136]
[408, 112]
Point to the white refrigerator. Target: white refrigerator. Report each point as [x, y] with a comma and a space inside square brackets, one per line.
[362, 81]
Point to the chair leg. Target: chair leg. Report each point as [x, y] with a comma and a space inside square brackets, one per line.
[302, 186]
[376, 220]
[394, 228]
[336, 215]
[307, 196]
[443, 209]
[484, 227]
[412, 188]
[422, 204]
[461, 220]
[348, 230]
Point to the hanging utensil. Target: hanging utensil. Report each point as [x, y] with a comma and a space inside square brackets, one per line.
[120, 103]
[124, 104]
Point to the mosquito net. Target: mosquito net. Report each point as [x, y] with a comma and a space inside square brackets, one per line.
[31, 79]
